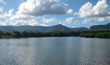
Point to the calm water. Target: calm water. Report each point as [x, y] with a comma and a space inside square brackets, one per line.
[55, 51]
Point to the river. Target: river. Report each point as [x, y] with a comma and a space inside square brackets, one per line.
[55, 51]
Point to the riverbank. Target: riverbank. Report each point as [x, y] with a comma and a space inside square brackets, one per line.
[25, 34]
[96, 35]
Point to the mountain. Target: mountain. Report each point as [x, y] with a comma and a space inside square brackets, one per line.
[101, 27]
[58, 27]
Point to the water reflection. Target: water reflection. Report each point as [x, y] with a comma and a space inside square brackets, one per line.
[55, 51]
[95, 52]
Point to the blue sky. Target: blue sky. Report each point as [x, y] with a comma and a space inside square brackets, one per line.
[71, 13]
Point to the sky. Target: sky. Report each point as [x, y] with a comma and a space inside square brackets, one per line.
[71, 13]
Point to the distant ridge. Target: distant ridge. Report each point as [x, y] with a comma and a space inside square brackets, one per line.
[101, 27]
[58, 27]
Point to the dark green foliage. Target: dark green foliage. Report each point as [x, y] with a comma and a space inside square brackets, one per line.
[1, 33]
[25, 34]
[97, 31]
[101, 27]
[96, 35]
[103, 35]
[16, 34]
[92, 34]
[87, 35]
[5, 35]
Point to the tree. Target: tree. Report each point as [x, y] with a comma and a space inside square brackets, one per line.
[16, 34]
[1, 33]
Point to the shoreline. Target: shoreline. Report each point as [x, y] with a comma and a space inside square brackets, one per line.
[84, 34]
[52, 37]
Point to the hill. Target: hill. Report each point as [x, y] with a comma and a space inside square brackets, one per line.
[58, 27]
[101, 27]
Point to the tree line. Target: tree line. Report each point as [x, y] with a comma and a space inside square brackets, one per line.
[96, 35]
[26, 34]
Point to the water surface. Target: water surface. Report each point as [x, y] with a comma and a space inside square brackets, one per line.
[55, 51]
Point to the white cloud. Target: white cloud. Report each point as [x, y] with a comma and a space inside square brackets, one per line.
[41, 7]
[70, 11]
[2, 1]
[2, 14]
[30, 9]
[43, 25]
[7, 18]
[86, 21]
[36, 8]
[31, 22]
[99, 12]
[1, 10]
[77, 22]
[10, 12]
[5, 15]
[20, 17]
[69, 20]
[44, 20]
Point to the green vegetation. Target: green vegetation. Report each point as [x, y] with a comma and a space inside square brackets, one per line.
[25, 34]
[87, 35]
[96, 35]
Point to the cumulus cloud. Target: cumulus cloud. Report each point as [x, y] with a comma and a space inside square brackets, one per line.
[43, 25]
[2, 14]
[1, 10]
[76, 22]
[86, 21]
[20, 17]
[29, 10]
[2, 1]
[99, 12]
[37, 8]
[70, 11]
[7, 18]
[44, 20]
[10, 12]
[69, 20]
[42, 7]
[31, 22]
[5, 15]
